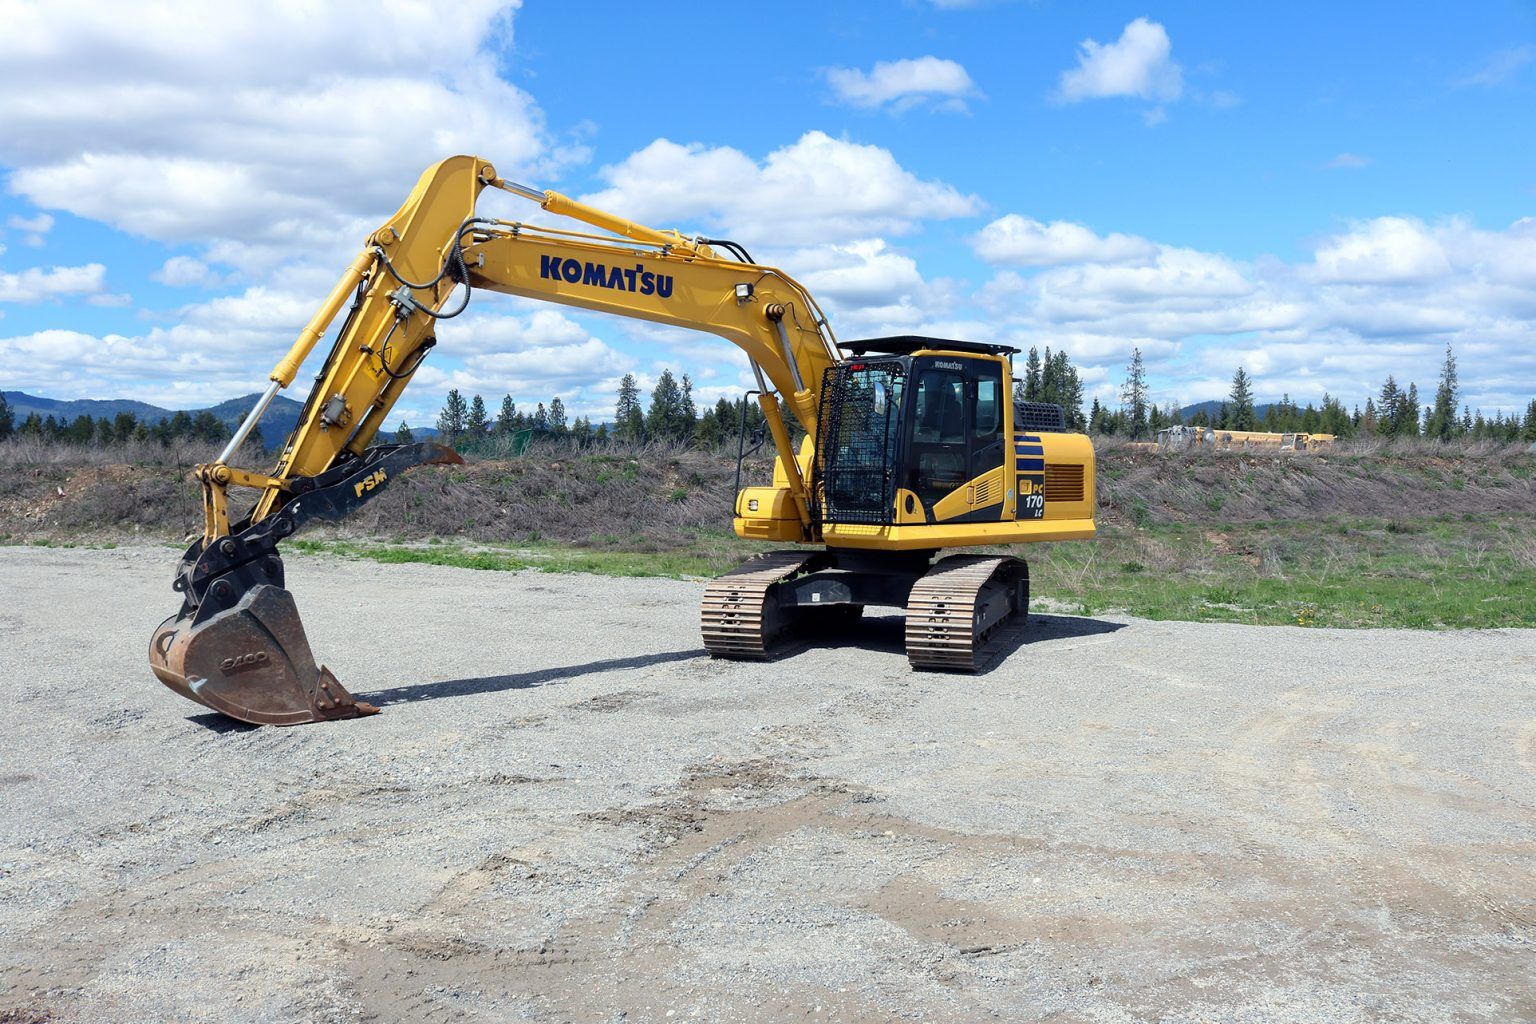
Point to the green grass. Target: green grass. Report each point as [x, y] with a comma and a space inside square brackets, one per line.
[1448, 573]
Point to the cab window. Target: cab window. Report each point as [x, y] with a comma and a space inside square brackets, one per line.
[940, 408]
[988, 410]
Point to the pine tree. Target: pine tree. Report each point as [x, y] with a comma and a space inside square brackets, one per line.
[403, 434]
[206, 427]
[718, 425]
[1032, 376]
[1442, 423]
[506, 419]
[1388, 407]
[540, 418]
[688, 414]
[664, 416]
[1133, 396]
[628, 420]
[1408, 414]
[1069, 392]
[1240, 402]
[557, 415]
[454, 418]
[1096, 417]
[477, 426]
[7, 419]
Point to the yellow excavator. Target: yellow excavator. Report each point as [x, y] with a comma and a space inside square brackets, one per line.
[911, 445]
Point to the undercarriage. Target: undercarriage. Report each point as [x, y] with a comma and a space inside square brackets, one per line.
[956, 607]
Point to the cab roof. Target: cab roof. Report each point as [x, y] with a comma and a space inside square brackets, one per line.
[904, 344]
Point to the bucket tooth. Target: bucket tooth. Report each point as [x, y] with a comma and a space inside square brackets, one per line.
[252, 662]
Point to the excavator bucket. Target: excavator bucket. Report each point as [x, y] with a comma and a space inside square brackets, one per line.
[252, 662]
[237, 645]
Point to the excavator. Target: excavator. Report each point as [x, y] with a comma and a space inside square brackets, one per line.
[911, 445]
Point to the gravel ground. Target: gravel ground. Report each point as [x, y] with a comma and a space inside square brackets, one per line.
[567, 812]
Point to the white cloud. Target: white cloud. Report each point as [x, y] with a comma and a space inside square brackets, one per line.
[816, 189]
[1387, 250]
[903, 84]
[257, 130]
[1349, 162]
[1019, 241]
[1499, 67]
[185, 272]
[1138, 64]
[1383, 296]
[870, 289]
[37, 284]
[36, 227]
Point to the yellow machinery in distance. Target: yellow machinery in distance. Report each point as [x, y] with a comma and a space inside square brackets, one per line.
[912, 445]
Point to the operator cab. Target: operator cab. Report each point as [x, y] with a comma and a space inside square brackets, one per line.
[916, 430]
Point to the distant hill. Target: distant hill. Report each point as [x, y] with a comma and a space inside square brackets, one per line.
[1212, 408]
[276, 423]
[24, 405]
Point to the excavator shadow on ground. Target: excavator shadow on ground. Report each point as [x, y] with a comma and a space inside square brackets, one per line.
[880, 634]
[416, 692]
[885, 634]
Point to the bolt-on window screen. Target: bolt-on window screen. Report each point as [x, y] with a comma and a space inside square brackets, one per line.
[857, 433]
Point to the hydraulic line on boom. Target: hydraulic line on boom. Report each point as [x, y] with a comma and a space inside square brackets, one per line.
[912, 445]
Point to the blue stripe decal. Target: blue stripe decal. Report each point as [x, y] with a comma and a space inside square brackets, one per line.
[1031, 438]
[1025, 465]
[1029, 449]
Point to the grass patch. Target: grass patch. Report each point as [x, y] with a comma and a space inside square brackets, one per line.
[1447, 573]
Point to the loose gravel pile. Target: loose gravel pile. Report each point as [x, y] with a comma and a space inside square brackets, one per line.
[567, 812]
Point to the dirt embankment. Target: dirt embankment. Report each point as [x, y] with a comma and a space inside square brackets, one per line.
[651, 498]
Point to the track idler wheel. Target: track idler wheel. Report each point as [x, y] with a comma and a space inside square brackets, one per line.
[251, 662]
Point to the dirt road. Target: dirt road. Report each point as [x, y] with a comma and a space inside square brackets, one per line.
[567, 812]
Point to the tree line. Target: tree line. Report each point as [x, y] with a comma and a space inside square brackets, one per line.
[671, 415]
[118, 429]
[1394, 411]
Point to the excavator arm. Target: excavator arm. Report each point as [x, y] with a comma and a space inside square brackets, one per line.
[237, 644]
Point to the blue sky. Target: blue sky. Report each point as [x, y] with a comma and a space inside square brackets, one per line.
[1323, 193]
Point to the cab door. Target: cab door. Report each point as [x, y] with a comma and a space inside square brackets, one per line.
[957, 442]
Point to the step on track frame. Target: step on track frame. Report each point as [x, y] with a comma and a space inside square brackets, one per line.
[959, 607]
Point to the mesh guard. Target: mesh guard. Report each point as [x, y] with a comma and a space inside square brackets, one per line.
[857, 429]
